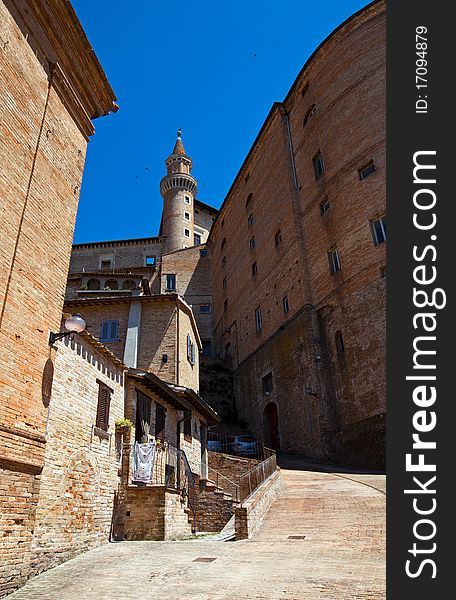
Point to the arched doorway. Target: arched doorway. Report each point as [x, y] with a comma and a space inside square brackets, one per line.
[271, 426]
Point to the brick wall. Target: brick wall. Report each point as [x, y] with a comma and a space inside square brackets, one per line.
[79, 478]
[231, 467]
[323, 397]
[193, 283]
[250, 515]
[43, 138]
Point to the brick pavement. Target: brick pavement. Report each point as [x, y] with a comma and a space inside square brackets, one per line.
[341, 558]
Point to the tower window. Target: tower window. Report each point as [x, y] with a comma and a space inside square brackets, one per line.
[258, 320]
[278, 238]
[187, 199]
[171, 282]
[249, 199]
[187, 232]
[267, 383]
[325, 206]
[150, 261]
[223, 244]
[225, 306]
[340, 348]
[205, 308]
[378, 227]
[254, 269]
[187, 216]
[250, 220]
[286, 306]
[224, 283]
[318, 165]
[196, 239]
[252, 243]
[224, 262]
[366, 170]
[334, 261]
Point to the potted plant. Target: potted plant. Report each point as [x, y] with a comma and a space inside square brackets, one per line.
[123, 426]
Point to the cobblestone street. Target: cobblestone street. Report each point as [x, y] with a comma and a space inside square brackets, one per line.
[342, 556]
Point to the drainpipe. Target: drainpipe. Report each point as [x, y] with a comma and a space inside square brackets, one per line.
[177, 342]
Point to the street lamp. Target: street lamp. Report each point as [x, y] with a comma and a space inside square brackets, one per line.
[74, 324]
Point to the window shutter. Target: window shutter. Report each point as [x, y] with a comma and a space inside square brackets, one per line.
[160, 417]
[114, 330]
[104, 400]
[189, 342]
[193, 353]
[104, 331]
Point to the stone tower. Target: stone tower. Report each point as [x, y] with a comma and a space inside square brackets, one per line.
[178, 189]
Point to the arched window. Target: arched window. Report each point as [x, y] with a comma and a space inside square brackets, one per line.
[309, 114]
[249, 199]
[340, 348]
[111, 284]
[128, 284]
[93, 284]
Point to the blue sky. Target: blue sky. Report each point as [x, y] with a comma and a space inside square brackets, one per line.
[212, 67]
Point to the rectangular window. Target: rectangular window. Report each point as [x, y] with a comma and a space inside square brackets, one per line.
[225, 306]
[187, 199]
[109, 331]
[224, 283]
[207, 347]
[325, 206]
[190, 350]
[171, 282]
[106, 265]
[252, 243]
[267, 384]
[205, 308]
[187, 232]
[379, 230]
[286, 306]
[334, 261]
[104, 401]
[187, 216]
[224, 262]
[318, 165]
[187, 424]
[254, 269]
[278, 237]
[258, 320]
[250, 220]
[203, 253]
[366, 170]
[150, 261]
[160, 422]
[196, 239]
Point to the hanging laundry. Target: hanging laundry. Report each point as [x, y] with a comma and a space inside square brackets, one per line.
[143, 461]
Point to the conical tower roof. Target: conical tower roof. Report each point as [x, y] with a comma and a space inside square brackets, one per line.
[179, 146]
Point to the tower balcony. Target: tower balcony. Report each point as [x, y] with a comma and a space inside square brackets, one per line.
[178, 181]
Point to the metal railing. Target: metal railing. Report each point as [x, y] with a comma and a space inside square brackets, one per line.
[228, 486]
[250, 481]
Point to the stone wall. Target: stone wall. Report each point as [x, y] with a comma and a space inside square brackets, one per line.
[250, 515]
[79, 478]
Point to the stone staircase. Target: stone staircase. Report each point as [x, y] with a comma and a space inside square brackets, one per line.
[215, 507]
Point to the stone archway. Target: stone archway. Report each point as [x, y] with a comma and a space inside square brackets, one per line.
[271, 426]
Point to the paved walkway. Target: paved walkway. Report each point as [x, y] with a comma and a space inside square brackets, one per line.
[341, 557]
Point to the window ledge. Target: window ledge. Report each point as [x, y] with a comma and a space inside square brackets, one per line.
[101, 433]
